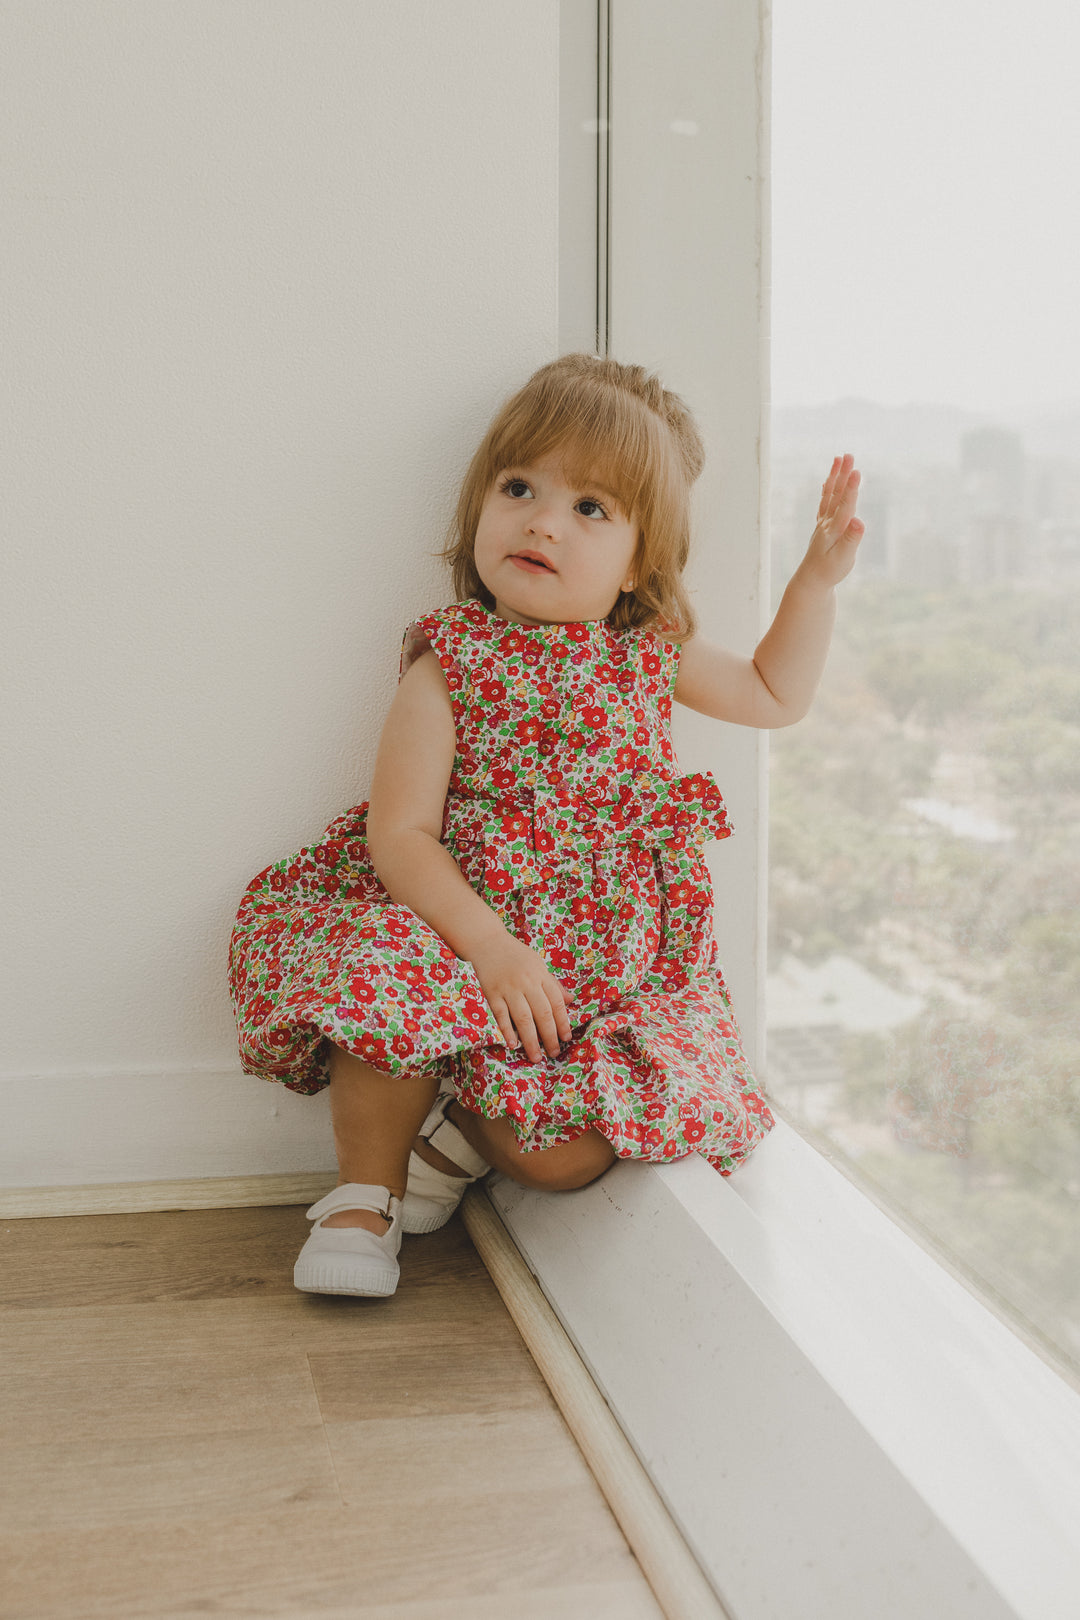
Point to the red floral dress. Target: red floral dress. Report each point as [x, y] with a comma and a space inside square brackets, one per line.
[567, 813]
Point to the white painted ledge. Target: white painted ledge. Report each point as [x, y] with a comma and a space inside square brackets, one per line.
[838, 1427]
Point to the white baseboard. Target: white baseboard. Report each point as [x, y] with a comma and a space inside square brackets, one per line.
[134, 1197]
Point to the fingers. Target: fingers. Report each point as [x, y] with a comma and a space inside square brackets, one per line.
[504, 1021]
[830, 481]
[544, 1022]
[847, 496]
[538, 1024]
[839, 493]
[528, 1002]
[537, 1030]
[839, 472]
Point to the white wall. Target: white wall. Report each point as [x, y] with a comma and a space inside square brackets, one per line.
[270, 265]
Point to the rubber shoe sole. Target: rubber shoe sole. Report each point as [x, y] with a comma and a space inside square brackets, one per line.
[350, 1259]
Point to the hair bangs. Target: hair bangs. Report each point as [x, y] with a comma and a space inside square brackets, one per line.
[597, 435]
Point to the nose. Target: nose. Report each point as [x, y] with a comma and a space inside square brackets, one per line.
[543, 520]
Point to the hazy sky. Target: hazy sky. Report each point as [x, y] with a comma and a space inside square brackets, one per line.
[926, 201]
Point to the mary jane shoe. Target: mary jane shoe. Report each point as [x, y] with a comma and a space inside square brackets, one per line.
[350, 1259]
[432, 1196]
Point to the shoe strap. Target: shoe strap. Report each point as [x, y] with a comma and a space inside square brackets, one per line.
[447, 1139]
[357, 1195]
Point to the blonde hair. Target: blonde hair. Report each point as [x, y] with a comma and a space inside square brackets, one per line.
[611, 423]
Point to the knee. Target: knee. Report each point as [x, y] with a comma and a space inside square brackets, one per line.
[562, 1169]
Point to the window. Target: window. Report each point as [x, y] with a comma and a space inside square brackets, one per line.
[924, 977]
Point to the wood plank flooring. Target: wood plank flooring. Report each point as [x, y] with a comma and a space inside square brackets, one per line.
[185, 1435]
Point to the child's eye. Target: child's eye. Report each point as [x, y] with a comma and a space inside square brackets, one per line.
[511, 486]
[587, 500]
[517, 488]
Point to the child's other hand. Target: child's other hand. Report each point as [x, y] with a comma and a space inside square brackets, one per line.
[835, 540]
[528, 1001]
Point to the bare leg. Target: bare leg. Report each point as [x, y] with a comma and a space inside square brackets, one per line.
[571, 1164]
[375, 1118]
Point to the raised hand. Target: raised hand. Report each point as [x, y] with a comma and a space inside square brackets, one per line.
[835, 540]
[528, 1001]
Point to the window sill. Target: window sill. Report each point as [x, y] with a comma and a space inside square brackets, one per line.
[838, 1427]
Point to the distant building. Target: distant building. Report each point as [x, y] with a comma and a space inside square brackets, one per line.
[947, 499]
[993, 474]
[924, 557]
[924, 521]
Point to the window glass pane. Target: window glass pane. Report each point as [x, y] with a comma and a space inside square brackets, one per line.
[924, 983]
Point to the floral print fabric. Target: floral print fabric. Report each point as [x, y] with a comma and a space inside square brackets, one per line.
[567, 813]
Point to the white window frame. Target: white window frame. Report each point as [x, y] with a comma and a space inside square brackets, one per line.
[838, 1425]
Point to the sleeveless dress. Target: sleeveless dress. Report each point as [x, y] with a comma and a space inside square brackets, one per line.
[567, 813]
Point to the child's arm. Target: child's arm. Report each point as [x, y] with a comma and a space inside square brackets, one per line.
[777, 685]
[405, 814]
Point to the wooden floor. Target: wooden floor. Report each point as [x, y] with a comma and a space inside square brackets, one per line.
[183, 1434]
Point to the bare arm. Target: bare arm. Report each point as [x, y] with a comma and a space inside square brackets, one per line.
[777, 685]
[405, 813]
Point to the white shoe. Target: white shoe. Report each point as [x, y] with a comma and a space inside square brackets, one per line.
[432, 1196]
[350, 1259]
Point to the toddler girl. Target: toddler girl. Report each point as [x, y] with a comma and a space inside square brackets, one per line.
[506, 958]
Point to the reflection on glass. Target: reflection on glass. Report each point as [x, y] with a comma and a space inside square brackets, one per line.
[924, 980]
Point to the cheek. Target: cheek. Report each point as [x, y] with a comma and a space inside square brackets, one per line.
[480, 559]
[482, 544]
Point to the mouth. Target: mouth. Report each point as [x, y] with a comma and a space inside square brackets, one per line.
[532, 562]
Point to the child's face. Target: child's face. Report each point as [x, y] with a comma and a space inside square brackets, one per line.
[551, 552]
